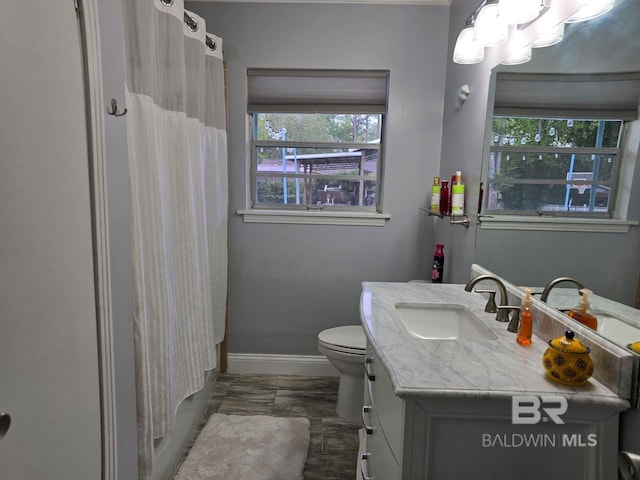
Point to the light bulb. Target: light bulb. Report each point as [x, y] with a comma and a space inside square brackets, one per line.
[516, 12]
[548, 35]
[518, 52]
[591, 9]
[467, 49]
[490, 28]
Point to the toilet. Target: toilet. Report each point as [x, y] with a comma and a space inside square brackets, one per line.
[345, 349]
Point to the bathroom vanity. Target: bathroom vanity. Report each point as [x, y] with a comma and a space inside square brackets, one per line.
[469, 402]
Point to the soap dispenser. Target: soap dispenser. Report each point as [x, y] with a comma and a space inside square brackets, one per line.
[582, 314]
[526, 321]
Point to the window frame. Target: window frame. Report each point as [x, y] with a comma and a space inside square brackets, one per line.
[255, 174]
[613, 183]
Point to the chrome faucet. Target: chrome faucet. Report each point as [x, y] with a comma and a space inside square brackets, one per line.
[503, 313]
[554, 282]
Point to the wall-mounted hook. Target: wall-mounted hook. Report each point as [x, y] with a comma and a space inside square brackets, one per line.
[114, 109]
[461, 96]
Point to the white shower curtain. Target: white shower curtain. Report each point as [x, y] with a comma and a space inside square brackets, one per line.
[176, 133]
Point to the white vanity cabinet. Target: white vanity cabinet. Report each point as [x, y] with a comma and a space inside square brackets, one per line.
[383, 421]
[472, 435]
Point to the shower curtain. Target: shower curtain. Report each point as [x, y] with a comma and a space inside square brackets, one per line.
[176, 133]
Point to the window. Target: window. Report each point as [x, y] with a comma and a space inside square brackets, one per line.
[556, 143]
[544, 165]
[317, 139]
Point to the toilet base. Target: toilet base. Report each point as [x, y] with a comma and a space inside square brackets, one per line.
[350, 390]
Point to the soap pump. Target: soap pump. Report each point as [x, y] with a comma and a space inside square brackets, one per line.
[581, 312]
[526, 320]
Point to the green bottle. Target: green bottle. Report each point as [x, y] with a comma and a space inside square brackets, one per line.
[435, 196]
[457, 196]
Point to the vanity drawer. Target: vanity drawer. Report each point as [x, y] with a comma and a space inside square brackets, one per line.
[379, 462]
[387, 408]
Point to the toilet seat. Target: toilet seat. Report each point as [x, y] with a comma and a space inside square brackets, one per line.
[347, 339]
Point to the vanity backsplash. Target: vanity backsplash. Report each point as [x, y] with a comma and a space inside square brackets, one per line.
[615, 367]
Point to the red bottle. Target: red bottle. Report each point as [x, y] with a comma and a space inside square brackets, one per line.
[444, 198]
[453, 182]
[438, 264]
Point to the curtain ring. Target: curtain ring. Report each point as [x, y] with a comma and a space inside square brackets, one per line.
[211, 43]
[191, 22]
[114, 109]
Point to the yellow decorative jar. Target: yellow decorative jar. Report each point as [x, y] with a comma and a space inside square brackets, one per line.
[567, 361]
[635, 347]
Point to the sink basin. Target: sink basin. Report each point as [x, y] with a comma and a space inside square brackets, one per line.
[615, 328]
[442, 322]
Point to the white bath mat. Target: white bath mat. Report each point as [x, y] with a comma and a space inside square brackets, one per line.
[248, 447]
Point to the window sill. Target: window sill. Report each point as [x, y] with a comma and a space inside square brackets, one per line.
[555, 224]
[315, 218]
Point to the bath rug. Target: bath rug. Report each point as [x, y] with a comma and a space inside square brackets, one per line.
[248, 447]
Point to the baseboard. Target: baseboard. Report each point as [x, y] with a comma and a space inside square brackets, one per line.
[309, 365]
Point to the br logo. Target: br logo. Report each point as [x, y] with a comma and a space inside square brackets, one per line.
[530, 409]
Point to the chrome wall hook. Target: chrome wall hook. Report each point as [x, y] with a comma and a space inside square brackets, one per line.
[114, 109]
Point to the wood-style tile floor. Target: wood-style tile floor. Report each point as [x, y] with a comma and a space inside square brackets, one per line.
[333, 449]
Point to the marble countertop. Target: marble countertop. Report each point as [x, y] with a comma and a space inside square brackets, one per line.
[497, 368]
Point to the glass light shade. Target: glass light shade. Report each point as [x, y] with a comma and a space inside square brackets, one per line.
[516, 12]
[467, 49]
[591, 9]
[490, 28]
[518, 51]
[549, 37]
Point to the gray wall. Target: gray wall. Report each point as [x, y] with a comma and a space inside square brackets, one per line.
[288, 282]
[462, 144]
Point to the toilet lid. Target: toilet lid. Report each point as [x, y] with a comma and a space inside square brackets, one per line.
[350, 336]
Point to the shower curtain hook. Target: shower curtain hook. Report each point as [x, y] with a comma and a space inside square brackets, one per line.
[114, 109]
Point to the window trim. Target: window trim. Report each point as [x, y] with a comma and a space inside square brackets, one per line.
[310, 217]
[552, 223]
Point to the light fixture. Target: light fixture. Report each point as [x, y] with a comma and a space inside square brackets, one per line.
[490, 28]
[468, 50]
[542, 23]
[591, 9]
[517, 12]
[549, 36]
[519, 51]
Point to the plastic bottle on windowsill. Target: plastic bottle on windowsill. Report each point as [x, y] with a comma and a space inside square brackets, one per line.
[444, 198]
